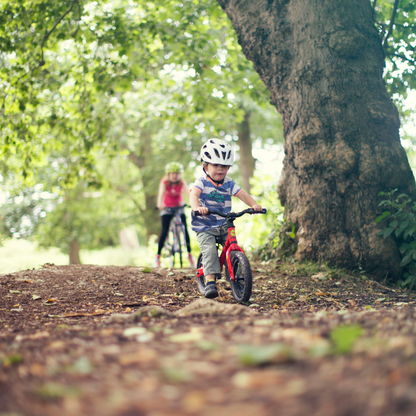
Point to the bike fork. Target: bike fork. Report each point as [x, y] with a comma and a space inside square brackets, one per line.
[231, 245]
[200, 272]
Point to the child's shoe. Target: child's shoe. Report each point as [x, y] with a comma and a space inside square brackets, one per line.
[211, 290]
[157, 261]
[191, 260]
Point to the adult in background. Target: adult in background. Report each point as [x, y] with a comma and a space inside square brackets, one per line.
[172, 188]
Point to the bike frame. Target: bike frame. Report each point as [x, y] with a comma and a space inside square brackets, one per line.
[229, 246]
[173, 228]
[176, 227]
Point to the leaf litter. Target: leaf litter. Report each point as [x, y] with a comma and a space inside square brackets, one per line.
[322, 343]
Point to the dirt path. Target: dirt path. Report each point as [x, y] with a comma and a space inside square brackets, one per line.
[90, 340]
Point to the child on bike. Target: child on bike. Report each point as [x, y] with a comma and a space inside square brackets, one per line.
[214, 191]
[171, 190]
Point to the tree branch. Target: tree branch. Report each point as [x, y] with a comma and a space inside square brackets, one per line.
[133, 157]
[79, 19]
[137, 160]
[404, 58]
[45, 38]
[122, 191]
[392, 19]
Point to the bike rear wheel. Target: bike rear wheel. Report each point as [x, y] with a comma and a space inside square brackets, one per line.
[200, 280]
[170, 245]
[243, 281]
[172, 257]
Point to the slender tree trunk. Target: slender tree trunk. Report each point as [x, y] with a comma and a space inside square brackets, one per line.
[247, 161]
[142, 157]
[74, 252]
[322, 61]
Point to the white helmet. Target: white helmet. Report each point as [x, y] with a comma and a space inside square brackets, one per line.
[217, 151]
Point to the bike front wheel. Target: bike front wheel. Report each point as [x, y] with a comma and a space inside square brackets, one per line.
[243, 280]
[180, 235]
[201, 279]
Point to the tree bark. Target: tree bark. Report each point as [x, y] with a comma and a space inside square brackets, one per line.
[142, 158]
[322, 62]
[247, 161]
[74, 252]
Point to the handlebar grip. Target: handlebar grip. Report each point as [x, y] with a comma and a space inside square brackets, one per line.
[263, 211]
[197, 213]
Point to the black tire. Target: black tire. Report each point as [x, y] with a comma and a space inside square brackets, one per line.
[200, 280]
[183, 244]
[172, 258]
[178, 235]
[171, 245]
[243, 282]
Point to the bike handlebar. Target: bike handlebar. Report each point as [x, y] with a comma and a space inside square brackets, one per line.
[172, 209]
[231, 214]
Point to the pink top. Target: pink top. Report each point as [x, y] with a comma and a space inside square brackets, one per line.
[173, 195]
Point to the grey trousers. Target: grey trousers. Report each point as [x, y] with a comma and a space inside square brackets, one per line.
[206, 241]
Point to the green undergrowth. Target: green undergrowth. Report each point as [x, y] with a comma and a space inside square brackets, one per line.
[310, 268]
[319, 271]
[399, 222]
[309, 272]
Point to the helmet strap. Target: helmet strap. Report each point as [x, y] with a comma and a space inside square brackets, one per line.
[213, 180]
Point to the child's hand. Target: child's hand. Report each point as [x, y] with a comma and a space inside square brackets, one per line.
[160, 207]
[257, 207]
[203, 210]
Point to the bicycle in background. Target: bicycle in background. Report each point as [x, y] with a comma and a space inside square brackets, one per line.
[175, 242]
[237, 266]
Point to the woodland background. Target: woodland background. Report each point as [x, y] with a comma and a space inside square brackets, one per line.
[98, 96]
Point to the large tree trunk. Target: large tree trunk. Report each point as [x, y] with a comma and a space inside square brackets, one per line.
[247, 161]
[322, 62]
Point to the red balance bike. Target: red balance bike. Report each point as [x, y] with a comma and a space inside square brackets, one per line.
[237, 270]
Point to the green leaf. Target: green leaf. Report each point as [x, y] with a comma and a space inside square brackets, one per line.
[404, 224]
[264, 354]
[381, 217]
[406, 259]
[344, 337]
[52, 391]
[387, 231]
[398, 232]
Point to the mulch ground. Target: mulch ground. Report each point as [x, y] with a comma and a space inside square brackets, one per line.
[92, 340]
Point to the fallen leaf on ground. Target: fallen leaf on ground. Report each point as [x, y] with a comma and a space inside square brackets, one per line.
[73, 314]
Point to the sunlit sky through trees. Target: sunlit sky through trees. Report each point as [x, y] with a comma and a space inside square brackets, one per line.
[410, 126]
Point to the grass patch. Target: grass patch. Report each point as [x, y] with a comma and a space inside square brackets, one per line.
[19, 255]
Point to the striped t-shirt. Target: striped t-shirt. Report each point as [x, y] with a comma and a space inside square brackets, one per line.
[216, 197]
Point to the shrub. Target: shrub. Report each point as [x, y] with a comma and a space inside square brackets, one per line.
[399, 216]
[280, 242]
